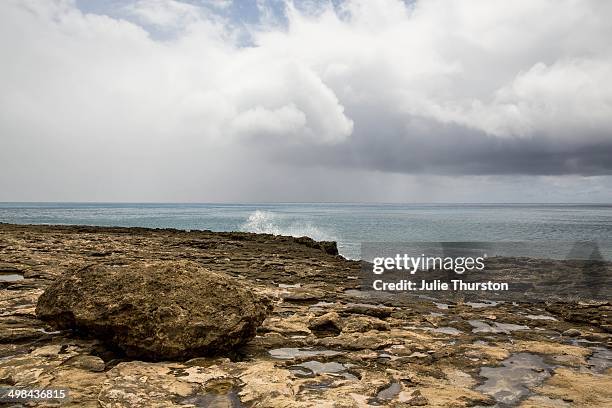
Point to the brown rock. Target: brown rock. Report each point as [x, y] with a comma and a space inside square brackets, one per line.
[364, 324]
[572, 333]
[85, 362]
[160, 310]
[417, 399]
[327, 323]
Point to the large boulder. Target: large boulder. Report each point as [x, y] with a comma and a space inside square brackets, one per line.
[161, 310]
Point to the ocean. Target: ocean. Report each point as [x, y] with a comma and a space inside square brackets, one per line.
[550, 227]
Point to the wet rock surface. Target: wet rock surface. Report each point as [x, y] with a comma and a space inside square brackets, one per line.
[325, 343]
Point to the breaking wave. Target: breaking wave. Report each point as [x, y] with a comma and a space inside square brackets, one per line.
[267, 222]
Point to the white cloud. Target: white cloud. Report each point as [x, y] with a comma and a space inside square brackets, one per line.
[564, 99]
[171, 14]
[378, 70]
[164, 13]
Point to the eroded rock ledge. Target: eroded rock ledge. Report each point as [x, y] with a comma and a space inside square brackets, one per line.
[326, 343]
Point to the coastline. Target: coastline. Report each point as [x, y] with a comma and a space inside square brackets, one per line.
[326, 340]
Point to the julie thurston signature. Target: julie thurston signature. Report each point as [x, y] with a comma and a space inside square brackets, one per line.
[438, 285]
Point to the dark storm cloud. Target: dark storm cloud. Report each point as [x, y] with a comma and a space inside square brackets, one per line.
[424, 147]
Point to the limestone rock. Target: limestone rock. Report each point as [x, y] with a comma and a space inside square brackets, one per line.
[327, 323]
[572, 333]
[378, 311]
[328, 247]
[364, 324]
[160, 310]
[85, 362]
[417, 399]
[372, 340]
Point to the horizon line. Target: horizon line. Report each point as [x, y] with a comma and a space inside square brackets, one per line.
[313, 202]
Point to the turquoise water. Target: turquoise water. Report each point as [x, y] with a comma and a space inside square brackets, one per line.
[349, 224]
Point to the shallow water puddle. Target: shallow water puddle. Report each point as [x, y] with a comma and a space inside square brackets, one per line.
[49, 332]
[600, 360]
[426, 297]
[321, 306]
[365, 305]
[222, 394]
[287, 286]
[355, 293]
[289, 353]
[313, 368]
[318, 385]
[540, 317]
[386, 394]
[212, 400]
[484, 303]
[368, 294]
[444, 330]
[441, 306]
[512, 381]
[481, 327]
[10, 277]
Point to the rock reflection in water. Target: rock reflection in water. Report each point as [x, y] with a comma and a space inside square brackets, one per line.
[512, 381]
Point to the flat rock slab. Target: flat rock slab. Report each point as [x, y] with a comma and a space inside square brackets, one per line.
[157, 310]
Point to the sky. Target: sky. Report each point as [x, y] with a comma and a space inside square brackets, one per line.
[306, 101]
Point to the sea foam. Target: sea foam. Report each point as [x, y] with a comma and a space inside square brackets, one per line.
[268, 222]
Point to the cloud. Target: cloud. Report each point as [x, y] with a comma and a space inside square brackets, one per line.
[172, 14]
[375, 86]
[164, 13]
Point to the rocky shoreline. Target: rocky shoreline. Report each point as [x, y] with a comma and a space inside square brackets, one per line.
[326, 341]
